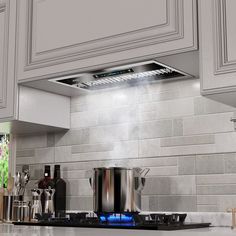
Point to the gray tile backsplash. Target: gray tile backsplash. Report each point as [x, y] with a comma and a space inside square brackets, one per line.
[186, 140]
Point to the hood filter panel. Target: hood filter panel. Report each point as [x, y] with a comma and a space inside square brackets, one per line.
[127, 75]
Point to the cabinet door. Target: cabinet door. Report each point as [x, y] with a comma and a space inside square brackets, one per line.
[58, 37]
[218, 46]
[7, 52]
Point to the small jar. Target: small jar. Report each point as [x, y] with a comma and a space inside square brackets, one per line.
[21, 211]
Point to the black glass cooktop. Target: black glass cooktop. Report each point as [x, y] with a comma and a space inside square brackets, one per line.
[126, 220]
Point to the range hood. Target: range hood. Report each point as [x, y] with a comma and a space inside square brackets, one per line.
[114, 76]
[132, 74]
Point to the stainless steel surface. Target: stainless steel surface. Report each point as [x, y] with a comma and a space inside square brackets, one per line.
[36, 206]
[148, 71]
[117, 189]
[17, 184]
[49, 203]
[21, 211]
[7, 208]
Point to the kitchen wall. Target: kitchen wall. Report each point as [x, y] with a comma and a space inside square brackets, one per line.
[187, 141]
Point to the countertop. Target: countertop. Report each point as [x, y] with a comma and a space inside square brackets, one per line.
[9, 229]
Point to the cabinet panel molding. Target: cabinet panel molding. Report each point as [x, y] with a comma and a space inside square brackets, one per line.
[223, 62]
[54, 39]
[4, 37]
[170, 29]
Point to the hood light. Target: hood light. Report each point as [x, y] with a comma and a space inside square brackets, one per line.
[117, 79]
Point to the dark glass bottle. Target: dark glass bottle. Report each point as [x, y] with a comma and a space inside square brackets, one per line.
[60, 193]
[45, 183]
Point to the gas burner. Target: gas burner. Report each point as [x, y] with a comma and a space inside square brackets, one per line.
[124, 220]
[119, 218]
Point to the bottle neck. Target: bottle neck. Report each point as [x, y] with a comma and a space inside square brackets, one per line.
[47, 174]
[57, 174]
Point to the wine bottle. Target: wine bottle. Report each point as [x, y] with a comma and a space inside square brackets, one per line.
[45, 183]
[60, 193]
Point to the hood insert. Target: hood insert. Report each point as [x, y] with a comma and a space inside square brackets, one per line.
[134, 74]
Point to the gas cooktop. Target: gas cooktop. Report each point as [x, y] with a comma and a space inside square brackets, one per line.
[126, 220]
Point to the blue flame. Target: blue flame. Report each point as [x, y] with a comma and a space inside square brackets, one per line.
[116, 218]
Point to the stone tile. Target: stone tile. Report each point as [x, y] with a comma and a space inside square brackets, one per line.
[63, 154]
[226, 201]
[84, 119]
[31, 141]
[92, 148]
[72, 137]
[149, 148]
[218, 189]
[225, 142]
[79, 203]
[187, 140]
[76, 174]
[110, 99]
[42, 156]
[167, 109]
[133, 131]
[207, 208]
[207, 106]
[118, 115]
[155, 129]
[145, 203]
[187, 150]
[45, 155]
[163, 171]
[24, 160]
[210, 164]
[153, 203]
[37, 171]
[230, 163]
[179, 185]
[158, 162]
[161, 96]
[128, 149]
[222, 202]
[91, 156]
[173, 203]
[124, 149]
[78, 104]
[216, 179]
[25, 153]
[208, 124]
[50, 140]
[187, 165]
[207, 200]
[104, 134]
[177, 127]
[80, 187]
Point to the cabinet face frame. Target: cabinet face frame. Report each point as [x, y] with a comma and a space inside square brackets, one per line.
[9, 93]
[217, 68]
[178, 33]
[4, 10]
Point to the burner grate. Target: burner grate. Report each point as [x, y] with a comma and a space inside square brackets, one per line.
[124, 220]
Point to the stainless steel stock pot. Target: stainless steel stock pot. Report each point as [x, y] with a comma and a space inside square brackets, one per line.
[117, 189]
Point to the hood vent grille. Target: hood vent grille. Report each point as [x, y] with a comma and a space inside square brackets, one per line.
[126, 75]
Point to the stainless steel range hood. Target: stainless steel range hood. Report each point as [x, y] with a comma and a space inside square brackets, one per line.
[132, 74]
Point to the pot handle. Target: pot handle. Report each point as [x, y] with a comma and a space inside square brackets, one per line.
[144, 172]
[141, 179]
[89, 175]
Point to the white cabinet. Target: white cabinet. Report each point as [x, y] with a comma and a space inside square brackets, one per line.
[38, 111]
[59, 37]
[24, 109]
[218, 49]
[7, 78]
